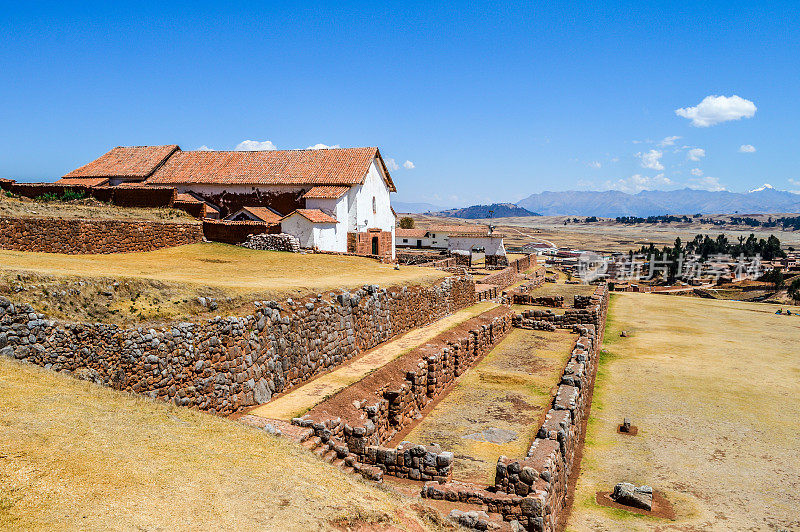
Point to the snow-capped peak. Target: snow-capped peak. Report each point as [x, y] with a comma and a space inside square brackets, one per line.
[765, 186]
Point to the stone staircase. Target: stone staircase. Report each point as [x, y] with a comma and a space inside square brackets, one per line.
[333, 452]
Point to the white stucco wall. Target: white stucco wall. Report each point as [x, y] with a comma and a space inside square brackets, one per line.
[360, 213]
[338, 209]
[324, 237]
[493, 245]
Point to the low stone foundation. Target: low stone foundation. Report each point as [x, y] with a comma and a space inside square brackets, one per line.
[533, 490]
[401, 396]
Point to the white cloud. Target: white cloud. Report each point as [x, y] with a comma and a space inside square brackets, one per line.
[638, 182]
[747, 148]
[254, 145]
[615, 160]
[794, 182]
[391, 164]
[594, 164]
[697, 172]
[669, 141]
[651, 159]
[408, 165]
[321, 146]
[204, 148]
[706, 183]
[717, 109]
[695, 154]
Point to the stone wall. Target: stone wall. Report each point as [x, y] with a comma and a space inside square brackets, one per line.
[389, 400]
[225, 364]
[74, 236]
[532, 490]
[512, 273]
[267, 242]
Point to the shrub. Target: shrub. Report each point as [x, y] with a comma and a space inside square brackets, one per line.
[70, 195]
[406, 223]
[48, 196]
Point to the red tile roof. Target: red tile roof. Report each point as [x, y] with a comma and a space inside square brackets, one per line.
[409, 233]
[340, 166]
[126, 161]
[265, 214]
[186, 198]
[86, 181]
[325, 192]
[315, 216]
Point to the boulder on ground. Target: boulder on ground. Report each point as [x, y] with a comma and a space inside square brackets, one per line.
[630, 495]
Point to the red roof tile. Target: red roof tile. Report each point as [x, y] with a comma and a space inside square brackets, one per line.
[86, 181]
[126, 161]
[325, 192]
[315, 216]
[342, 166]
[186, 198]
[265, 214]
[409, 233]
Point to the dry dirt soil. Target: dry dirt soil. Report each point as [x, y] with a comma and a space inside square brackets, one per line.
[714, 389]
[76, 456]
[494, 408]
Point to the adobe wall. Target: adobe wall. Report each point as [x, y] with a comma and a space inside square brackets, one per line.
[359, 421]
[72, 236]
[225, 364]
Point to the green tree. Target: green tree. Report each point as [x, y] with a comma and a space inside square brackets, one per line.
[406, 222]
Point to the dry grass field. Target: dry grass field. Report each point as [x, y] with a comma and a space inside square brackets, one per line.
[75, 456]
[508, 390]
[606, 236]
[714, 389]
[88, 209]
[165, 284]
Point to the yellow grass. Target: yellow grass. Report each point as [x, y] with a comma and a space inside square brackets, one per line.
[299, 401]
[713, 387]
[75, 456]
[234, 268]
[509, 389]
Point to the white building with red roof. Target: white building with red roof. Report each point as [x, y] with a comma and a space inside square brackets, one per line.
[337, 199]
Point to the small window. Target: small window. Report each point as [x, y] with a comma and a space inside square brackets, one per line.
[374, 205]
[405, 241]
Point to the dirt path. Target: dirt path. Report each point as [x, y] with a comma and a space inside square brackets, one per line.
[300, 400]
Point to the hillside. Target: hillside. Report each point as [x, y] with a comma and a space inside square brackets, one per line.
[613, 203]
[76, 456]
[495, 210]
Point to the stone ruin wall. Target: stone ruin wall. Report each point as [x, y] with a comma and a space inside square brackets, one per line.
[532, 490]
[76, 236]
[225, 364]
[396, 405]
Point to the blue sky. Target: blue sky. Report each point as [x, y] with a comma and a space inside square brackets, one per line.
[488, 102]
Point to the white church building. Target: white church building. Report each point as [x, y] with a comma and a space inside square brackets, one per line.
[335, 199]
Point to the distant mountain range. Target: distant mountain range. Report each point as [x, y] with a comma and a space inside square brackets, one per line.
[612, 203]
[496, 210]
[404, 206]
